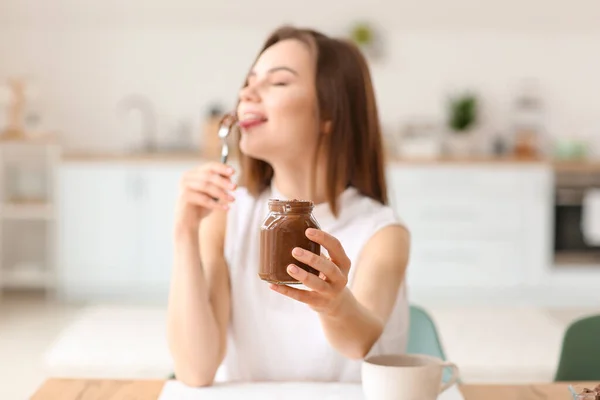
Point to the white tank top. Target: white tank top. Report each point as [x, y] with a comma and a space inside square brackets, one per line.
[274, 338]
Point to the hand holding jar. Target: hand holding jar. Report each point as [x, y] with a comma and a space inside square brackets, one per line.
[290, 254]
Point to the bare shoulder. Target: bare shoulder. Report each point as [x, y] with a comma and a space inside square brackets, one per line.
[389, 247]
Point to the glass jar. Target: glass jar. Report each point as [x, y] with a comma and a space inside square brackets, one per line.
[581, 392]
[283, 229]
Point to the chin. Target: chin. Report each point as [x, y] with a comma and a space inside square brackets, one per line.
[254, 148]
[271, 153]
[272, 149]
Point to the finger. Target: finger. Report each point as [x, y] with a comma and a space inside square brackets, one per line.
[311, 281]
[214, 192]
[221, 169]
[222, 182]
[204, 186]
[212, 177]
[304, 296]
[322, 264]
[203, 200]
[333, 246]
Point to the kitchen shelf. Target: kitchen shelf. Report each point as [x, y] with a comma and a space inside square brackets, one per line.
[574, 259]
[27, 279]
[27, 211]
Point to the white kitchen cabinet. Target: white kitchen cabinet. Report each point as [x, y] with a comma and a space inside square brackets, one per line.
[474, 226]
[160, 193]
[116, 222]
[481, 227]
[98, 225]
[465, 263]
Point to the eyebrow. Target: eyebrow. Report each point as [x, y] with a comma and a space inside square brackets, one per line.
[275, 69]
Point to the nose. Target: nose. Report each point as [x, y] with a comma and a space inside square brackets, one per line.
[249, 94]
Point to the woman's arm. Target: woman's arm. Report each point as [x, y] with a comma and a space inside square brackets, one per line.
[353, 319]
[199, 302]
[359, 320]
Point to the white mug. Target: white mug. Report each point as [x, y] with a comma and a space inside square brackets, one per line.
[405, 377]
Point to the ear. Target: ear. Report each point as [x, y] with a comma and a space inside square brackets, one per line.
[326, 127]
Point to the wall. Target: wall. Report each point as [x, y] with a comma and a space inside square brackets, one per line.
[183, 54]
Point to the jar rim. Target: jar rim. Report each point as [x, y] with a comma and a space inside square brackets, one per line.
[290, 206]
[296, 203]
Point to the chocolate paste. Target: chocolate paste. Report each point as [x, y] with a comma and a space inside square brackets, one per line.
[282, 230]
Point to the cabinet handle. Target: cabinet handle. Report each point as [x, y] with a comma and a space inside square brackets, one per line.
[140, 187]
[136, 187]
[453, 214]
[447, 255]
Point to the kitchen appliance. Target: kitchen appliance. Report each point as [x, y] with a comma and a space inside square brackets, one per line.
[570, 245]
[211, 144]
[528, 120]
[14, 129]
[420, 139]
[149, 125]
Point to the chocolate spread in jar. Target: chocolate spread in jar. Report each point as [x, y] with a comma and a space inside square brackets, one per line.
[282, 230]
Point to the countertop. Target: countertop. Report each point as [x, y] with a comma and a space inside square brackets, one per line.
[196, 156]
[191, 157]
[589, 165]
[70, 389]
[133, 157]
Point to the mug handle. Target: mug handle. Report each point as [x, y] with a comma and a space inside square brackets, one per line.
[453, 379]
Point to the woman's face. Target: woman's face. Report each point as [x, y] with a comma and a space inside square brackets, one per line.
[278, 109]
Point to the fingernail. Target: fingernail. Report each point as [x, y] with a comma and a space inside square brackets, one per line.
[297, 251]
[311, 232]
[293, 269]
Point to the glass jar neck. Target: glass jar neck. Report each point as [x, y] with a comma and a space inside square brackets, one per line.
[290, 206]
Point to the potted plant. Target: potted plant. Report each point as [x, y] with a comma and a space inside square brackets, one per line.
[462, 121]
[366, 38]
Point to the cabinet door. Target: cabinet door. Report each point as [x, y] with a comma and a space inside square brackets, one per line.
[465, 263]
[99, 230]
[467, 223]
[160, 193]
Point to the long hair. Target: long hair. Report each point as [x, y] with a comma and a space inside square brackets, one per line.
[346, 99]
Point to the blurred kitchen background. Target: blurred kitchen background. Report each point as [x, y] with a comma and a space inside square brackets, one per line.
[491, 115]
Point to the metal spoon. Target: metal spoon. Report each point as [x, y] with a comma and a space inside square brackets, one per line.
[227, 122]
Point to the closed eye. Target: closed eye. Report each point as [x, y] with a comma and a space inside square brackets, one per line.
[280, 84]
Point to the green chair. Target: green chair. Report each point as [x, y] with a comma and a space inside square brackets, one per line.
[580, 354]
[423, 337]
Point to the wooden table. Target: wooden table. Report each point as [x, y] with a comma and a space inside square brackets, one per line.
[80, 389]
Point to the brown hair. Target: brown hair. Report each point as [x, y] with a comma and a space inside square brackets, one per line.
[346, 98]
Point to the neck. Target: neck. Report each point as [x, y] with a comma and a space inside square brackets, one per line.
[295, 182]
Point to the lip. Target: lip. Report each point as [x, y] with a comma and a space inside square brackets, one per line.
[251, 118]
[251, 123]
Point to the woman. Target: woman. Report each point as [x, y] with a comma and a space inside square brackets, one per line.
[309, 130]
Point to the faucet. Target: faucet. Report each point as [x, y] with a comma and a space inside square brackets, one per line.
[146, 108]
